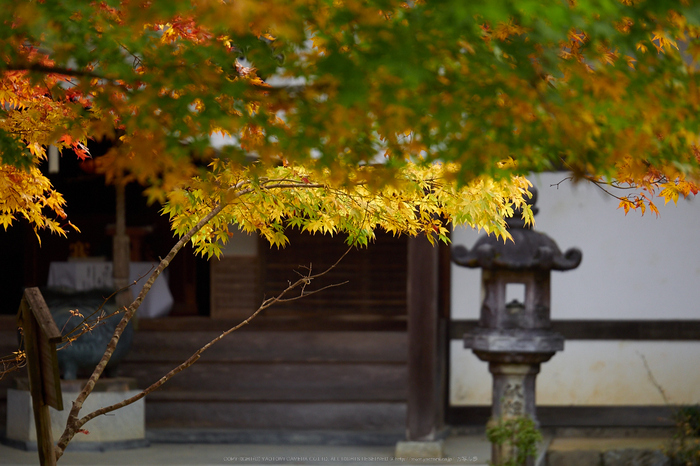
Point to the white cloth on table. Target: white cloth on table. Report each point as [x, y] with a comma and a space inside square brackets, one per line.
[88, 275]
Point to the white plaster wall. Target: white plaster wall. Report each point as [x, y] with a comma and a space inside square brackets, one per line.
[596, 373]
[633, 267]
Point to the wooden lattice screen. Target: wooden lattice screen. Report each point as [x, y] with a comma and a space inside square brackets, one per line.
[376, 277]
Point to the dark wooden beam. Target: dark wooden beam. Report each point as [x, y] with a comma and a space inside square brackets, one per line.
[673, 330]
[274, 324]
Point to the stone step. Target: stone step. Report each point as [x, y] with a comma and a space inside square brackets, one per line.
[277, 415]
[607, 452]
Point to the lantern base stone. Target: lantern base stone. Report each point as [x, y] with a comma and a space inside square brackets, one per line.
[121, 429]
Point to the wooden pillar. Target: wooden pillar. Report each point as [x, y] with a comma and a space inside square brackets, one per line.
[426, 351]
[121, 249]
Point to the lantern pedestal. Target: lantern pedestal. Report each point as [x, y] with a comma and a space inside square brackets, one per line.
[514, 374]
[514, 357]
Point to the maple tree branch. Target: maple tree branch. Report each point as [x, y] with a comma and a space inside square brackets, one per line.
[38, 68]
[301, 282]
[619, 198]
[629, 201]
[598, 184]
[293, 185]
[73, 422]
[136, 58]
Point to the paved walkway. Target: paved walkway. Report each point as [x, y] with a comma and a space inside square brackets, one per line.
[461, 449]
[457, 448]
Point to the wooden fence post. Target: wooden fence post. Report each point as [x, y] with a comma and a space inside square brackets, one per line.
[40, 338]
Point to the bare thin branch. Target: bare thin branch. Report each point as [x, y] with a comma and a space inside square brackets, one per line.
[309, 293]
[92, 324]
[600, 185]
[301, 282]
[568, 178]
[12, 363]
[73, 423]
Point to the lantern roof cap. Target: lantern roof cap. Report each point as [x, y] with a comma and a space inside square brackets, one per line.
[529, 249]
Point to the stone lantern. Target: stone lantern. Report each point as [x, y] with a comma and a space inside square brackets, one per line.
[515, 337]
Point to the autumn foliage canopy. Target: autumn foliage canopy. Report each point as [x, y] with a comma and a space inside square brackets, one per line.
[456, 99]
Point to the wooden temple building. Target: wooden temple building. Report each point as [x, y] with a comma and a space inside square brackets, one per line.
[370, 357]
[354, 358]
